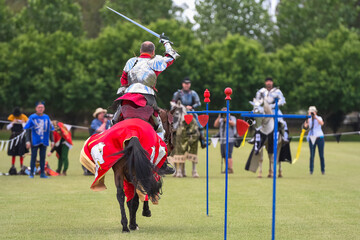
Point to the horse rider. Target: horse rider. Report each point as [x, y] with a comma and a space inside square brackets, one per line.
[138, 83]
[190, 99]
[270, 93]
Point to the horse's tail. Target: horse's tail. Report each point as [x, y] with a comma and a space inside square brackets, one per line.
[140, 169]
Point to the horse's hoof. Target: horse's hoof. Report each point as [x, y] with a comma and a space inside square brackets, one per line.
[280, 176]
[259, 176]
[195, 175]
[125, 230]
[134, 227]
[146, 213]
[270, 176]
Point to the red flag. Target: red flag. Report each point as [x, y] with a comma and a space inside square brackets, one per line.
[241, 127]
[65, 133]
[203, 119]
[188, 118]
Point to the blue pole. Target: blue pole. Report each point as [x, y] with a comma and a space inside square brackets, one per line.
[274, 173]
[207, 163]
[226, 165]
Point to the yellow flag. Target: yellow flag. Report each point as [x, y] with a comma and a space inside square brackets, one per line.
[243, 141]
[299, 146]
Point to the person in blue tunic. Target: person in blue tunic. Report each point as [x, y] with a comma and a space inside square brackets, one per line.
[38, 133]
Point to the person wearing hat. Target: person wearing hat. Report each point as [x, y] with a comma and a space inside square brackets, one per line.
[38, 132]
[18, 148]
[270, 93]
[190, 99]
[100, 123]
[315, 137]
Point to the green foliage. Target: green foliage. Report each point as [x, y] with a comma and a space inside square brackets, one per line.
[306, 20]
[217, 18]
[324, 74]
[49, 58]
[236, 62]
[7, 24]
[51, 16]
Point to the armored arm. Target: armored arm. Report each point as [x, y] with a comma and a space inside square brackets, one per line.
[196, 100]
[281, 97]
[259, 95]
[168, 48]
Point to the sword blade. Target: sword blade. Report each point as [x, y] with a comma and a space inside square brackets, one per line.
[137, 24]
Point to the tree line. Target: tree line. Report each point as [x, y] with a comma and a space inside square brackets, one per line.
[47, 53]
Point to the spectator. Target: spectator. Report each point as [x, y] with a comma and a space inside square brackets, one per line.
[315, 137]
[221, 123]
[18, 148]
[38, 133]
[100, 123]
[63, 142]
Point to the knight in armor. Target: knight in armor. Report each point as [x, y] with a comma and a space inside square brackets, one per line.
[138, 82]
[190, 99]
[269, 93]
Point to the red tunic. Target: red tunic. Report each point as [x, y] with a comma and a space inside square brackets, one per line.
[100, 148]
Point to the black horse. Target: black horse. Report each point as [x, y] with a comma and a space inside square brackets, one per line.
[134, 167]
[131, 153]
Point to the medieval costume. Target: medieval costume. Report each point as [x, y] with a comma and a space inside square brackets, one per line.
[101, 151]
[186, 141]
[270, 96]
[138, 82]
[190, 98]
[63, 142]
[17, 146]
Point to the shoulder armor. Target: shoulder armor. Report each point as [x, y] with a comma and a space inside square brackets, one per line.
[158, 63]
[130, 64]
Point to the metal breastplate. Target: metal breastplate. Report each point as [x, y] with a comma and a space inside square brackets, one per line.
[142, 73]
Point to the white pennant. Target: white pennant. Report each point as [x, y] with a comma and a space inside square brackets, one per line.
[313, 139]
[17, 139]
[214, 141]
[2, 145]
[68, 126]
[6, 144]
[11, 143]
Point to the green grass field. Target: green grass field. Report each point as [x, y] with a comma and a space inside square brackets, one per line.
[308, 207]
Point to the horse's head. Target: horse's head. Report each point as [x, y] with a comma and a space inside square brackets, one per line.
[179, 111]
[262, 107]
[167, 121]
[257, 106]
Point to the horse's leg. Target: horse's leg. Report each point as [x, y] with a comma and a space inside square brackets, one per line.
[179, 173]
[133, 205]
[194, 171]
[280, 170]
[183, 169]
[146, 210]
[120, 195]
[121, 199]
[260, 163]
[271, 165]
